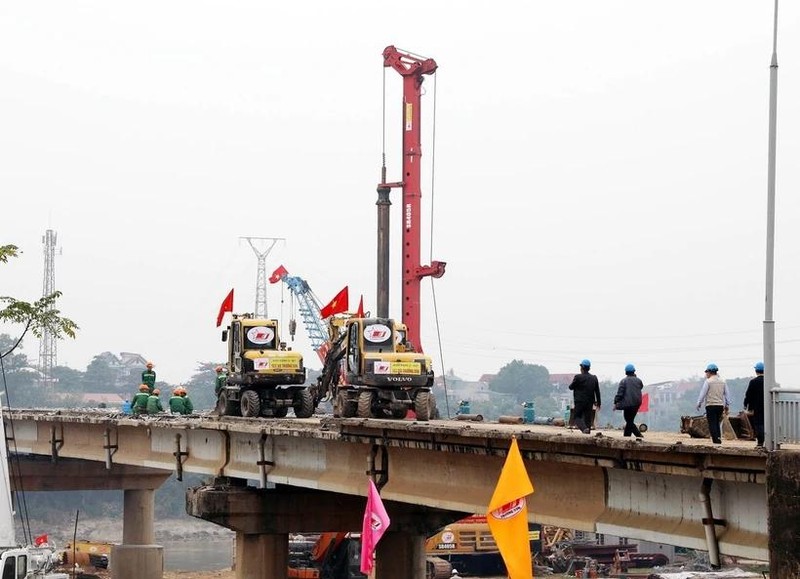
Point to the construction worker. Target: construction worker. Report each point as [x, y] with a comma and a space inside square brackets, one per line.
[585, 394]
[188, 407]
[149, 377]
[176, 403]
[154, 402]
[717, 399]
[754, 402]
[221, 379]
[139, 402]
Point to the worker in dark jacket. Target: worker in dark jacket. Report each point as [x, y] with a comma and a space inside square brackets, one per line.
[154, 402]
[149, 377]
[754, 402]
[139, 402]
[176, 403]
[628, 399]
[586, 394]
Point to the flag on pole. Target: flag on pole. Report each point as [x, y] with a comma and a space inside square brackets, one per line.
[227, 306]
[645, 405]
[507, 515]
[40, 540]
[376, 521]
[360, 310]
[340, 303]
[278, 274]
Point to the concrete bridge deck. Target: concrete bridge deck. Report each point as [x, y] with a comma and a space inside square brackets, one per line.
[603, 482]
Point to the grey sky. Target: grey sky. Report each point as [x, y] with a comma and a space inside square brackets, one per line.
[600, 173]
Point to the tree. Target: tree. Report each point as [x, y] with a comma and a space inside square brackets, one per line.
[37, 317]
[525, 381]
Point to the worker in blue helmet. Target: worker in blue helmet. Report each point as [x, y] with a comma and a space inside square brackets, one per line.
[754, 403]
[586, 397]
[629, 399]
[717, 399]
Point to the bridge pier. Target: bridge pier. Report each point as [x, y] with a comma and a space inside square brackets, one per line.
[783, 511]
[138, 557]
[263, 519]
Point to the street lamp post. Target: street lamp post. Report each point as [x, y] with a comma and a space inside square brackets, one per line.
[769, 322]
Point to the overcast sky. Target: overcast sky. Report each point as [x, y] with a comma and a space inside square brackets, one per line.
[600, 173]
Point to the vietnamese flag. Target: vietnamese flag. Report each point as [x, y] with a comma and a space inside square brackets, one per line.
[340, 303]
[507, 515]
[360, 310]
[645, 405]
[278, 274]
[227, 306]
[376, 521]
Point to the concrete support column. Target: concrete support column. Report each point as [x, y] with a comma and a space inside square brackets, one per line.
[783, 511]
[138, 557]
[262, 556]
[400, 556]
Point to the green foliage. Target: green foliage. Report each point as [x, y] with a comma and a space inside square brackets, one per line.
[524, 381]
[39, 317]
[200, 386]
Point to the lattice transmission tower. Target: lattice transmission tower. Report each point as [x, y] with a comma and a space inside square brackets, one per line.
[47, 345]
[261, 247]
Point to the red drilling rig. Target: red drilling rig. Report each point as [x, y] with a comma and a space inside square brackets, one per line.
[412, 68]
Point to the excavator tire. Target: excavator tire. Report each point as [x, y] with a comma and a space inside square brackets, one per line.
[423, 407]
[304, 404]
[226, 406]
[364, 405]
[343, 407]
[250, 404]
[437, 568]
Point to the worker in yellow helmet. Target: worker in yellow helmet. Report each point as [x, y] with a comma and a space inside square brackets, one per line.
[220, 380]
[176, 403]
[188, 407]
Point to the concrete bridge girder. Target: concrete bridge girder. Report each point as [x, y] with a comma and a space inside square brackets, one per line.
[595, 484]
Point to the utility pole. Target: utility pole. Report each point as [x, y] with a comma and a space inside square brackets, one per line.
[47, 343]
[261, 277]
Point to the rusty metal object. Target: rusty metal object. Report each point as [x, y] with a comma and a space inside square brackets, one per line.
[510, 419]
[470, 417]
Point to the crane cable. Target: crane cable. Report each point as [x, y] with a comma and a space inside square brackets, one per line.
[433, 287]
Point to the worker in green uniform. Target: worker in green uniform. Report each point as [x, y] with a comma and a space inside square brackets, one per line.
[139, 402]
[221, 379]
[154, 402]
[188, 407]
[149, 377]
[176, 403]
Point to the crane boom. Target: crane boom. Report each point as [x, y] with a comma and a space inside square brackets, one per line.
[412, 68]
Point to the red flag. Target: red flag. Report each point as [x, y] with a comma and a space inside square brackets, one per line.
[278, 274]
[40, 540]
[339, 304]
[227, 306]
[376, 521]
[360, 310]
[645, 405]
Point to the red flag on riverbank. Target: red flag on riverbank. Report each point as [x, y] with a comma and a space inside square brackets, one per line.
[645, 405]
[227, 306]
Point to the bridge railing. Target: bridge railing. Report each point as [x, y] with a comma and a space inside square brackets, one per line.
[786, 415]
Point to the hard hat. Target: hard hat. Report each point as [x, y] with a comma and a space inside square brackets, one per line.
[759, 367]
[176, 391]
[630, 368]
[156, 392]
[149, 364]
[144, 388]
[183, 391]
[712, 367]
[218, 368]
[586, 363]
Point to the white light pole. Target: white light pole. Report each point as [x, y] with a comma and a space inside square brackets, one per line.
[769, 322]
